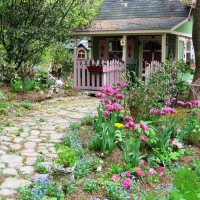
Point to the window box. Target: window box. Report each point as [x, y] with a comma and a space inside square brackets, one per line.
[95, 68]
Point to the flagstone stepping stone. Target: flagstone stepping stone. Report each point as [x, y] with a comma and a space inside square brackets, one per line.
[30, 160]
[14, 183]
[26, 169]
[10, 171]
[2, 165]
[18, 139]
[15, 146]
[5, 138]
[29, 152]
[7, 192]
[55, 136]
[11, 159]
[15, 165]
[30, 145]
[2, 152]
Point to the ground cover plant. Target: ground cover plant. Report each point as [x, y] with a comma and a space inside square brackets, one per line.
[114, 156]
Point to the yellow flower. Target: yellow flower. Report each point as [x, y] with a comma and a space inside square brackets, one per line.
[118, 125]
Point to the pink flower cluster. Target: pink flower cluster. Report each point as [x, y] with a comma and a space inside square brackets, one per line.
[160, 170]
[126, 183]
[115, 178]
[190, 104]
[139, 171]
[175, 142]
[130, 125]
[150, 171]
[109, 97]
[144, 127]
[113, 107]
[168, 110]
[154, 111]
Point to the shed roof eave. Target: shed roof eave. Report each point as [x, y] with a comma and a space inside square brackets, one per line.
[120, 32]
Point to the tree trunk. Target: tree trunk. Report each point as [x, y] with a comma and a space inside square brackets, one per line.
[196, 42]
[196, 39]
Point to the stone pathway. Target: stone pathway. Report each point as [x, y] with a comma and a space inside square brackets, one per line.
[35, 134]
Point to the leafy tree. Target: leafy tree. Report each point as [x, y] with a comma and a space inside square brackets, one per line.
[28, 27]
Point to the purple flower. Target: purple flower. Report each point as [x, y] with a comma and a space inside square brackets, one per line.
[113, 100]
[128, 173]
[117, 106]
[100, 95]
[119, 96]
[105, 113]
[126, 183]
[195, 103]
[109, 107]
[173, 100]
[188, 104]
[154, 111]
[143, 138]
[181, 103]
[144, 127]
[128, 118]
[105, 101]
[168, 103]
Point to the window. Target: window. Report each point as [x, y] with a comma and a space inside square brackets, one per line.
[81, 54]
[188, 50]
[115, 50]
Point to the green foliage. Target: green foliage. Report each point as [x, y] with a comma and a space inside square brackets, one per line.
[16, 84]
[66, 157]
[28, 84]
[87, 120]
[115, 192]
[85, 166]
[90, 186]
[131, 152]
[186, 185]
[41, 169]
[105, 132]
[75, 126]
[69, 187]
[66, 141]
[191, 129]
[26, 104]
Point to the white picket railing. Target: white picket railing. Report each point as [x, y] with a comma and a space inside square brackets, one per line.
[91, 75]
[154, 66]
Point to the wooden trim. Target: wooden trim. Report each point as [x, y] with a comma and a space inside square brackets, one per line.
[122, 32]
[179, 24]
[75, 61]
[163, 48]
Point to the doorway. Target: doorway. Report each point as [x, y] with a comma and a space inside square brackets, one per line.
[151, 51]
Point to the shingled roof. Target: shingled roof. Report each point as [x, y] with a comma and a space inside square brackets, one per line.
[139, 15]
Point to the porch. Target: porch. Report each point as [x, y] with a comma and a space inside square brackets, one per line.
[90, 75]
[111, 55]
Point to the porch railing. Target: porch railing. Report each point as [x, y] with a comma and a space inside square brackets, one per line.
[152, 67]
[91, 75]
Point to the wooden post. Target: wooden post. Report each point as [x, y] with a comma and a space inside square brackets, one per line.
[124, 49]
[75, 61]
[163, 48]
[177, 48]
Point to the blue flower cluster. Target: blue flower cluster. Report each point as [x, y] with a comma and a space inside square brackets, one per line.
[40, 188]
